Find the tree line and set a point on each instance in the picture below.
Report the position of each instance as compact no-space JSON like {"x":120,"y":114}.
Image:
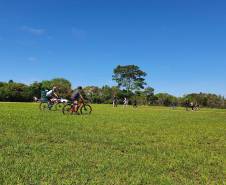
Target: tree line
{"x":130,"y":84}
{"x":18,"y":92}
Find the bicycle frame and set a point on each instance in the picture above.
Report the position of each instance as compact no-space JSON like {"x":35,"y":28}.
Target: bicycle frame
{"x":79,"y":107}
{"x":55,"y":100}
{"x":80,"y":104}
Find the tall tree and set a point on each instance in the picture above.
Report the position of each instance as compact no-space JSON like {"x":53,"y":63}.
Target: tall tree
{"x":129,"y":77}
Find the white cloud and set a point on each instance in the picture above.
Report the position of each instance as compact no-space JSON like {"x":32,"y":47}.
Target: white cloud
{"x":34,"y":31}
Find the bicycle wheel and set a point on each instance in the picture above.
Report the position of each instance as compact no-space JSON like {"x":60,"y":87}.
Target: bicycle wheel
{"x":67,"y":110}
{"x":44,"y":106}
{"x":59,"y":106}
{"x":86,"y":109}
{"x":56,"y":107}
{"x":53,"y":107}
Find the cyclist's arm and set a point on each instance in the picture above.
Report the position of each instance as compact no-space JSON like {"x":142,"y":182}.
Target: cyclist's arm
{"x":81,"y":97}
{"x":55,"y":95}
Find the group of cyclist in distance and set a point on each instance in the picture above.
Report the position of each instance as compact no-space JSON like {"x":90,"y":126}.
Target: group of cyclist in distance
{"x":76,"y":97}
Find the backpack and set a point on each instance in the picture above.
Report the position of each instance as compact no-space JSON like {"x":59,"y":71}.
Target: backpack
{"x":43,"y":95}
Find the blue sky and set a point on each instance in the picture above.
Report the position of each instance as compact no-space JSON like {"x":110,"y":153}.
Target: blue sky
{"x":181,"y":44}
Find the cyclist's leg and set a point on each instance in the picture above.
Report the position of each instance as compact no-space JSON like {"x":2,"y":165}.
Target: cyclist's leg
{"x":79,"y":103}
{"x":49,"y":102}
{"x":75,"y":104}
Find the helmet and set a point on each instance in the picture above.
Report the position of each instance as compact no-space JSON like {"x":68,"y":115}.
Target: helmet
{"x":54,"y":88}
{"x":80,"y":87}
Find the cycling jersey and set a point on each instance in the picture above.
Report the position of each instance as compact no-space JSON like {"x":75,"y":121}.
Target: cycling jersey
{"x":49,"y":93}
{"x":75,"y":95}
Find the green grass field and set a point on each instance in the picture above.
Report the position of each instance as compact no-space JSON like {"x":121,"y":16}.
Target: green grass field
{"x":148,"y":145}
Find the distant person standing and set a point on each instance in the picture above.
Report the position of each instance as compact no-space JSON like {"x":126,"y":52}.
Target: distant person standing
{"x":115,"y":101}
{"x":192,"y":106}
{"x":135,"y":103}
{"x":173,"y":105}
{"x":187,"y":105}
{"x":125,"y":102}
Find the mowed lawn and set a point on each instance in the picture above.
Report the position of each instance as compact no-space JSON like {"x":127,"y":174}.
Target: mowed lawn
{"x":147,"y":145}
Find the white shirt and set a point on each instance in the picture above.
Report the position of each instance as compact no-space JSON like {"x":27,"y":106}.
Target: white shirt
{"x":49,"y":93}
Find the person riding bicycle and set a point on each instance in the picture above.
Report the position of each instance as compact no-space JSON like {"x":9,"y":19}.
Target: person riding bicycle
{"x":51,"y":94}
{"x":77,"y":96}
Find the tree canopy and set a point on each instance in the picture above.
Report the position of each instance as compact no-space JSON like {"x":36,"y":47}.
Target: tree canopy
{"x":129,"y":77}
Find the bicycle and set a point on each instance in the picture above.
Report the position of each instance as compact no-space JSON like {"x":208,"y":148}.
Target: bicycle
{"x":54,"y":105}
{"x":196,"y":107}
{"x":82,"y":108}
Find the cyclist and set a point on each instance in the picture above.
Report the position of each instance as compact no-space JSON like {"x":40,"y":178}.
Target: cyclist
{"x":77,"y":97}
{"x":50,"y":95}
